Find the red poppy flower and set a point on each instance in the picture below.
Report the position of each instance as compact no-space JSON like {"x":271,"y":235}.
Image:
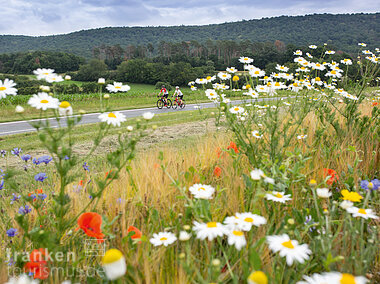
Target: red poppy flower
{"x":137,"y":232}
{"x":233,"y":146}
{"x":333,"y":176}
{"x":217,"y":171}
{"x":375,"y":103}
{"x":218,"y":152}
{"x":90,"y":223}
{"x":38,"y":264}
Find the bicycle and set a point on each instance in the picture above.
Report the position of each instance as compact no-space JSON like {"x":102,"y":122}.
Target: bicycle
{"x":161,"y":103}
{"x":177,"y":103}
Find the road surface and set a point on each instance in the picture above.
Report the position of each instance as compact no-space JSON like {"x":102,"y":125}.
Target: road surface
{"x":16,"y":127}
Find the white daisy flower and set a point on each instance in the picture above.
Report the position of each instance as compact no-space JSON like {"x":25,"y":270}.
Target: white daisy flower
{"x":323,"y":192}
{"x":43,"y":101}
{"x":360,"y":212}
{"x":330,"y":52}
{"x":209,"y":230}
{"x":237,"y":110}
{"x":22,"y":279}
{"x":117,"y":87}
{"x":251,"y":93}
{"x":256,"y":134}
{"x":346,"y":204}
{"x":114,"y":118}
{"x":246,"y":220}
{"x":163,"y":238}
{"x":224,"y":76}
{"x":54,"y":78}
{"x":282,"y":68}
{"x":346,"y":61}
{"x":114,"y":264}
{"x":148,"y":115}
{"x":278,"y":196}
{"x":256,"y":72}
{"x":231,"y":70}
{"x":201,"y":81}
{"x":7,"y":88}
{"x":297,"y":52}
{"x":362,"y":44}
{"x":257,"y":174}
{"x":193,"y":88}
{"x":313,"y":46}
{"x":43,"y":73}
{"x":303,"y":136}
{"x":315,"y":279}
{"x":101,"y":81}
{"x":245,"y":60}
{"x":342,"y":278}
{"x":202,"y":191}
{"x":191,"y":83}
{"x":65,"y":109}
{"x":237,"y":238}
{"x":289,"y":248}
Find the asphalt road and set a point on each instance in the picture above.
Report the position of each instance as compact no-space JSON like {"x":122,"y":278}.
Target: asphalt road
{"x":15,"y":127}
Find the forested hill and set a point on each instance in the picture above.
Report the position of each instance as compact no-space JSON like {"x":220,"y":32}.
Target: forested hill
{"x":343,"y":31}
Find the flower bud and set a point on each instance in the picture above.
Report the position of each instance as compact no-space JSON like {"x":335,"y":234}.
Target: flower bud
{"x":130,"y":128}
{"x":106,"y":96}
{"x":19,"y":109}
{"x":67,"y":77}
{"x":182,"y":255}
{"x":215,"y":262}
{"x":291,"y":221}
{"x":101,"y":81}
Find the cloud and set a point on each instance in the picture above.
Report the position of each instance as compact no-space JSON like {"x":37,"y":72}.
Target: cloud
{"x":56,"y":17}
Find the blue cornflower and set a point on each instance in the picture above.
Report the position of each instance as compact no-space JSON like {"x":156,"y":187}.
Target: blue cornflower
{"x":3,"y":153}
{"x":12,"y":232}
{"x":43,"y":159}
{"x":40,"y":177}
{"x":42,"y":196}
{"x":308,"y":220}
{"x":26,"y":157}
{"x":15,"y":198}
{"x":16,"y":151}
{"x":86,"y":167}
{"x":370,"y":185}
{"x":1,"y":184}
{"x":66,"y":157}
{"x":24,"y":210}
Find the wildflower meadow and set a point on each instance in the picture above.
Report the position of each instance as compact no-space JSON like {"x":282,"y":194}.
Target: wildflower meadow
{"x":286,"y":190}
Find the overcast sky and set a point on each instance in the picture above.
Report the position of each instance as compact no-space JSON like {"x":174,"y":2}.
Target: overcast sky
{"x":36,"y":17}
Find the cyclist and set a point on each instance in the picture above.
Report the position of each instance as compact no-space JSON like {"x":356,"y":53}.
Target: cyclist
{"x":165,"y":94}
{"x":178,"y":94}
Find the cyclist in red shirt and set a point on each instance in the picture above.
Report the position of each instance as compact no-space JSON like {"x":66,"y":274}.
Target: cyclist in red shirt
{"x":165,"y":93}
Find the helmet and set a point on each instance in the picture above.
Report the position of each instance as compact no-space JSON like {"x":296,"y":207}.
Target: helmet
{"x":177,"y":87}
{"x":163,"y":86}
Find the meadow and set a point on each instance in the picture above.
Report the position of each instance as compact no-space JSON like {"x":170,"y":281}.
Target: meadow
{"x":280,"y":192}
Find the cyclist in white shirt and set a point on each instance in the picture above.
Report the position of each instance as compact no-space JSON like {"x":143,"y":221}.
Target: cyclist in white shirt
{"x":178,"y":94}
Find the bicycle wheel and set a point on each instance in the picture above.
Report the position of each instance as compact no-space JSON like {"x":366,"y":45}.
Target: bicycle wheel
{"x":183,"y":104}
{"x":169,"y":104}
{"x":175,"y":104}
{"x":160,"y":104}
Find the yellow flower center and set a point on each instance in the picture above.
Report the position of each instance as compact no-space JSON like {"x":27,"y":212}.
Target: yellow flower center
{"x":208,"y":77}
{"x":258,"y":277}
{"x":45,"y":73}
{"x":201,"y":188}
{"x":257,"y":72}
{"x":2,"y":88}
{"x":111,"y":114}
{"x":44,"y":101}
{"x":288,"y":244}
{"x":236,"y":108}
{"x":248,"y":86}
{"x":163,"y":239}
{"x":238,"y":233}
{"x":64,"y":104}
{"x":277,"y":84}
{"x":333,"y":72}
{"x":248,"y":219}
{"x":278,"y":195}
{"x":211,"y":225}
{"x":362,"y":211}
{"x":111,"y":256}
{"x":117,"y":87}
{"x":347,"y":279}
{"x":317,"y":79}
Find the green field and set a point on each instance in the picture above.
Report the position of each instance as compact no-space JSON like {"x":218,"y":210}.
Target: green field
{"x":139,"y":96}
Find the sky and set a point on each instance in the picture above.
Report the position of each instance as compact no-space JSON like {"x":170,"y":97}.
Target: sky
{"x":36,"y":17}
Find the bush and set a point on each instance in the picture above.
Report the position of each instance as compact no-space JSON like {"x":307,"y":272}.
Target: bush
{"x":167,"y":85}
